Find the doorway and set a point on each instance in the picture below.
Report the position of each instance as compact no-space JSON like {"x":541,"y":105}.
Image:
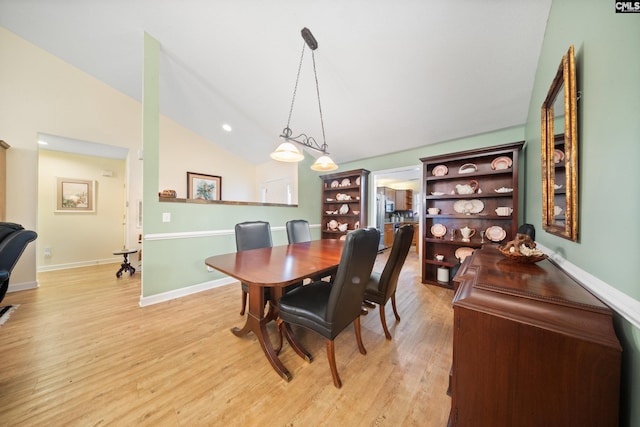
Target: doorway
{"x":69,"y":235}
{"x":408,"y":178}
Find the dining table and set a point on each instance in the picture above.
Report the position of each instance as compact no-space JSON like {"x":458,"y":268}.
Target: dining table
{"x":276,"y":267}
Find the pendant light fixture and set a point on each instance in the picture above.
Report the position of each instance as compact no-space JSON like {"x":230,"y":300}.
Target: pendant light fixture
{"x":287,"y":151}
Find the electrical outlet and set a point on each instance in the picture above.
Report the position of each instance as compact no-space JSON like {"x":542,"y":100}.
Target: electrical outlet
{"x":166,"y":217}
{"x":47,"y":252}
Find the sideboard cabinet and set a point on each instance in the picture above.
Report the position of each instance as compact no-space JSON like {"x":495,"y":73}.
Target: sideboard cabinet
{"x":344,"y":202}
{"x":531,"y":347}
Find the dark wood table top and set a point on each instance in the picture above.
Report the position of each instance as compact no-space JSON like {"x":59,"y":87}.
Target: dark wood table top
{"x":280,"y":265}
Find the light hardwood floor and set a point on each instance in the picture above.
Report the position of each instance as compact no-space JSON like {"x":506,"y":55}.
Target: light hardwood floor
{"x":79,"y":351}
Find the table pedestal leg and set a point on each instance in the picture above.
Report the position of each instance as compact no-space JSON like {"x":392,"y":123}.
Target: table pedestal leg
{"x":257,"y":323}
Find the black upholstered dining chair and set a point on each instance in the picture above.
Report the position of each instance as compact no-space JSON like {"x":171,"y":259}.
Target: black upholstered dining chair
{"x":382,"y":286}
{"x":252,"y":235}
{"x":327,"y":308}
{"x":13,"y":241}
{"x":298,"y":231}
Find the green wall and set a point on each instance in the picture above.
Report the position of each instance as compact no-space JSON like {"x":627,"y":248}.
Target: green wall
{"x":608,"y":77}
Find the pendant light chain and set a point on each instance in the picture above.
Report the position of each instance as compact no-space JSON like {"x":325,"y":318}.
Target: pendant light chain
{"x":287,"y":151}
{"x":295,"y":88}
{"x":315,"y":74}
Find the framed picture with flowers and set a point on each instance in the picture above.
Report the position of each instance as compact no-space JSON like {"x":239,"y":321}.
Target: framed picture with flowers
{"x":203,"y":187}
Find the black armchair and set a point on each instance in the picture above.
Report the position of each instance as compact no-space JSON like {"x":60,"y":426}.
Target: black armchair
{"x":327,"y":308}
{"x":252,"y":235}
{"x":13,"y":241}
{"x":382,"y":286}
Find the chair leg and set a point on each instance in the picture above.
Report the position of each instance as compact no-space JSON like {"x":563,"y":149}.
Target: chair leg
{"x":383,"y":320}
{"x":244,"y":302}
{"x":356,"y":324}
{"x":393,"y":304}
{"x":279,"y":326}
{"x":331,"y":356}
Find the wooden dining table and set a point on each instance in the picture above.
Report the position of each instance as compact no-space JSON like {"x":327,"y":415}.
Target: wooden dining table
{"x":275,"y":268}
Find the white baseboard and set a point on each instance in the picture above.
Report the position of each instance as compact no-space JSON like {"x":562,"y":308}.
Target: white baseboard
{"x":15,"y":287}
{"x":43,"y":268}
{"x":182,"y":292}
{"x":621,"y":303}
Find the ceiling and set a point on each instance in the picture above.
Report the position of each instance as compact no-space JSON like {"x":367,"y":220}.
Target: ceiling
{"x":393,"y":75}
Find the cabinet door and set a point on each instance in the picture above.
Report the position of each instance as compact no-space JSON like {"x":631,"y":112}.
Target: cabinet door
{"x":388,"y":235}
{"x":401,"y":200}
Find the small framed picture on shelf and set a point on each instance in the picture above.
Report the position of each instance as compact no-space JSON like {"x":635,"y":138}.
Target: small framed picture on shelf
{"x":204,"y":187}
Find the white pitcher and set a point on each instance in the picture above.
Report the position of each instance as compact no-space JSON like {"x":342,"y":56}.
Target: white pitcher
{"x":467,"y":233}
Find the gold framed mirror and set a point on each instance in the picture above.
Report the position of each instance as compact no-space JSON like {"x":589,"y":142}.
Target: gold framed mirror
{"x":560,"y":153}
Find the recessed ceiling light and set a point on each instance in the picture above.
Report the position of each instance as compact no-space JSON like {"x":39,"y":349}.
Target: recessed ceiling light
{"x":226,"y":127}
{"x":43,"y":143}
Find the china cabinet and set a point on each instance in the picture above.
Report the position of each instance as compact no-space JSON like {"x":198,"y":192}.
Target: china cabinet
{"x":344,"y":202}
{"x":470,"y":199}
{"x":531,"y":347}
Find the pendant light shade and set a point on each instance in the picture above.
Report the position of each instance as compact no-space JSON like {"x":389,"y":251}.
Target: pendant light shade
{"x":324,"y":164}
{"x":287,"y":151}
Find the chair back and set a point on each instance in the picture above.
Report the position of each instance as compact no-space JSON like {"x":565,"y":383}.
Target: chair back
{"x":298,"y":231}
{"x":356,"y":263}
{"x":401,"y":244}
{"x":253,"y":235}
{"x":528,"y":229}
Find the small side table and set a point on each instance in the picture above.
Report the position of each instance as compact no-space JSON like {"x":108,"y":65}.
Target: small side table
{"x":125,"y":266}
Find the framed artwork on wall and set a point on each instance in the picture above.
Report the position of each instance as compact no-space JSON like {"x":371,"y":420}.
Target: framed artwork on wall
{"x":203,"y":187}
{"x":75,"y":195}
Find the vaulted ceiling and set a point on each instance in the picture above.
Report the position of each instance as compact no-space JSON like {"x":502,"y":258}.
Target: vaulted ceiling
{"x":392,"y":75}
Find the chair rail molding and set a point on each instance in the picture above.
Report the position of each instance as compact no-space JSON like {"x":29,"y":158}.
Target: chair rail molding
{"x":205,"y":233}
{"x":621,"y":303}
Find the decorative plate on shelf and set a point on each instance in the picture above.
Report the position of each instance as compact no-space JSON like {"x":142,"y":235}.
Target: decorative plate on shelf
{"x":440,"y":170}
{"x":468,"y":168}
{"x":468,"y":206}
{"x":503,"y":190}
{"x":344,"y":209}
{"x":438,"y":230}
{"x":502,"y":162}
{"x":334,"y":184}
{"x":345,"y":182}
{"x":558,"y":155}
{"x":463,"y":252}
{"x":332,"y":225}
{"x":437,"y":193}
{"x":358,"y":181}
{"x":355,"y":212}
{"x":495,"y":233}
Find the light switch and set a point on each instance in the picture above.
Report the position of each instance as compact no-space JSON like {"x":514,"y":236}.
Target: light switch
{"x":166,"y":217}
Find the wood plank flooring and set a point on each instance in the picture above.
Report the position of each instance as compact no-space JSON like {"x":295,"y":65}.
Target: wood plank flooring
{"x":79,"y":351}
